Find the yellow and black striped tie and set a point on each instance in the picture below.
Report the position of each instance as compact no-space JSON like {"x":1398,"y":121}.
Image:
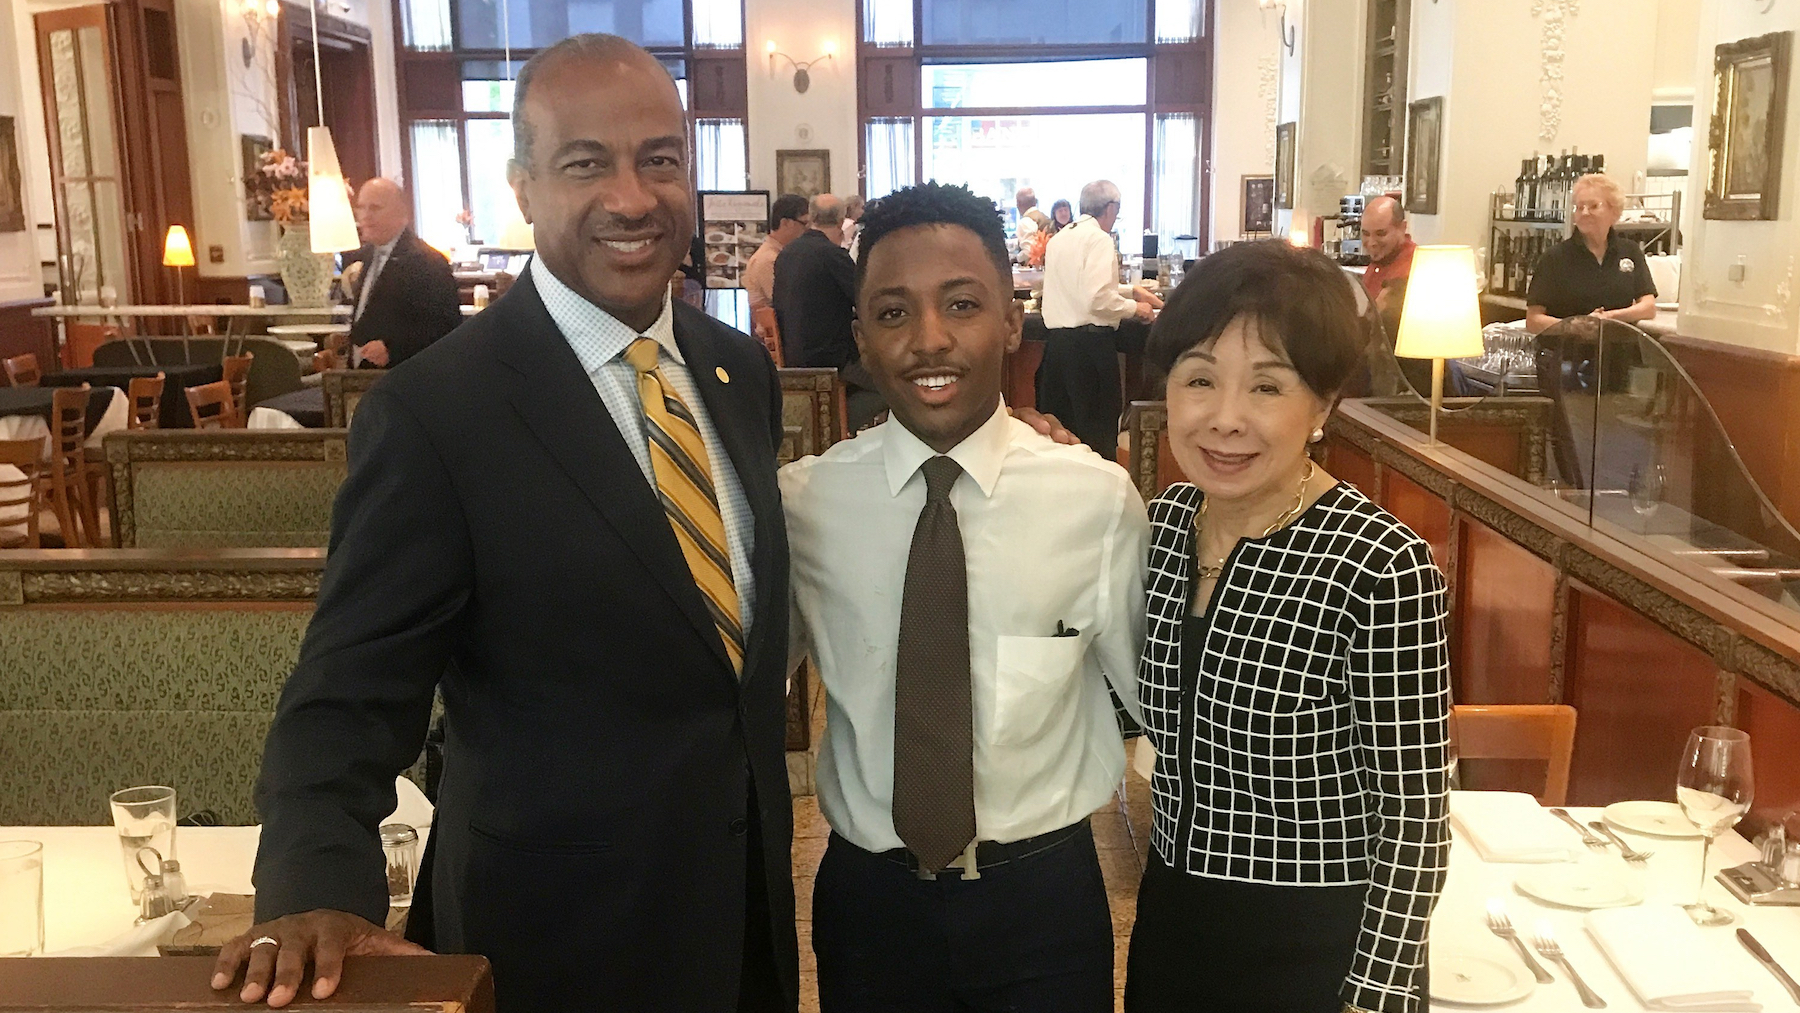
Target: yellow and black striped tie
{"x":684,"y":484}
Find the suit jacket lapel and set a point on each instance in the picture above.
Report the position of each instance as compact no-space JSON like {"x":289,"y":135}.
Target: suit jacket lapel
{"x":557,"y":400}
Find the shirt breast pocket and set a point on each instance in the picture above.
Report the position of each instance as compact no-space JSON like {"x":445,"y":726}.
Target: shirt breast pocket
{"x":1036,"y":684}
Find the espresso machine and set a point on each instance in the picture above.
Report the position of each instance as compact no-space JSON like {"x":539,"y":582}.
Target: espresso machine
{"x":1347,"y":247}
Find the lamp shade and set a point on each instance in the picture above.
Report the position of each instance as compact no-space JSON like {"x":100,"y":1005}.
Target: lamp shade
{"x":327,"y":198}
{"x":1442,"y":316}
{"x":177,"y":250}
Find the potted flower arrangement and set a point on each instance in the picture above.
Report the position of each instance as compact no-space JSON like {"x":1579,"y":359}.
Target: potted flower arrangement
{"x":280,"y":184}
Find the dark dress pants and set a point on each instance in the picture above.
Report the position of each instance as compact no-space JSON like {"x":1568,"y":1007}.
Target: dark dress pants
{"x":1078,"y":382}
{"x":1032,"y":935}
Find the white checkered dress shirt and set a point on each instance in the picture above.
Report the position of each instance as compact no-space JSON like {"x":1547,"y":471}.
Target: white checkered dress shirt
{"x":1311,"y":748}
{"x":599,"y":340}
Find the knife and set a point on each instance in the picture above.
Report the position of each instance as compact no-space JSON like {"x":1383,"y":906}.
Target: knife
{"x":1762,"y":955}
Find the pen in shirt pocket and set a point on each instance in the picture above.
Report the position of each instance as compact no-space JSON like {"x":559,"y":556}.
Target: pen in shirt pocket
{"x":1065,"y":631}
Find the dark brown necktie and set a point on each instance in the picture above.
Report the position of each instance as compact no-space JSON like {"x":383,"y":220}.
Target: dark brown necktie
{"x":934,"y":736}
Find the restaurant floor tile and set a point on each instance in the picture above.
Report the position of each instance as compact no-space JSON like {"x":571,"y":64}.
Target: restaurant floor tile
{"x":1121,"y":833}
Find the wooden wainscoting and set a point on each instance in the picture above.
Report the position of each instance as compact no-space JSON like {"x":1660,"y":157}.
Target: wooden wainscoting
{"x":1756,"y":395}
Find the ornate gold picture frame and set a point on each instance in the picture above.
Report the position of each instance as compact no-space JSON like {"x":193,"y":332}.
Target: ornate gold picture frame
{"x":1750,"y":81}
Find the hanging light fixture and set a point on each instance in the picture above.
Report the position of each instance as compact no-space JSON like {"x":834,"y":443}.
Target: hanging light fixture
{"x":327,"y":195}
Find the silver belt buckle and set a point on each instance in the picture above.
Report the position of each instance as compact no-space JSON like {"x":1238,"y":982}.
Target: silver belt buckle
{"x":965,"y":861}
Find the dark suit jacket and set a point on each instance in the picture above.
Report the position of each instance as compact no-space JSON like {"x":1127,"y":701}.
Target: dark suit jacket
{"x":414,"y":302}
{"x":494,"y":530}
{"x":815,"y":301}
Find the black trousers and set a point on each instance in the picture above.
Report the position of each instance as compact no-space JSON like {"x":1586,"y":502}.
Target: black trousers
{"x":1078,"y":382}
{"x":759,"y":984}
{"x":1031,"y":936}
{"x":1205,"y":944}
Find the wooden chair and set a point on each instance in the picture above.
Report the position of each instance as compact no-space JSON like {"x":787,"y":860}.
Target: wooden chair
{"x":70,"y":483}
{"x":22,"y":370}
{"x":143,"y":400}
{"x":762,"y":322}
{"x":27,"y":457}
{"x":1519,"y":732}
{"x":237,"y":375}
{"x":213,"y":407}
{"x":326,"y":360}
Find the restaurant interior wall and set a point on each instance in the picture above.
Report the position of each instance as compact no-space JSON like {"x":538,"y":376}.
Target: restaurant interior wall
{"x":20,"y":274}
{"x":1321,"y":86}
{"x":1489,"y":61}
{"x":823,"y":118}
{"x":1763,"y":310}
{"x":1247,"y":59}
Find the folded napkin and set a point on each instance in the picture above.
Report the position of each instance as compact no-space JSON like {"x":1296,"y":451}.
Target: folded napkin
{"x":141,"y":941}
{"x":1510,"y":826}
{"x":413,"y":808}
{"x":1672,"y":964}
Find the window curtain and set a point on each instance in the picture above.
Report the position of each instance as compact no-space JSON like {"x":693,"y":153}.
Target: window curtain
{"x":426,"y":24}
{"x":1178,"y":20}
{"x":437,"y":187}
{"x":889,"y":143}
{"x":718,"y":24}
{"x":888,"y":22}
{"x":721,"y":155}
{"x":1177,"y":173}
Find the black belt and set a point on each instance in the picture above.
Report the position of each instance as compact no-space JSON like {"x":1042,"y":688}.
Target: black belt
{"x":989,"y":854}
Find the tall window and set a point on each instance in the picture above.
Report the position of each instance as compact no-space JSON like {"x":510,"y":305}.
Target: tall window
{"x":458,"y":64}
{"x":1047,"y":94}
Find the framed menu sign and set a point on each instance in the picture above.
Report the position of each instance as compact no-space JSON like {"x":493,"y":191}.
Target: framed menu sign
{"x":732,"y":225}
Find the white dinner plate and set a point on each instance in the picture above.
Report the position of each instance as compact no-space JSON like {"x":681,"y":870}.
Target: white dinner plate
{"x":1585,"y":885}
{"x":1468,"y":980}
{"x":1658,"y":819}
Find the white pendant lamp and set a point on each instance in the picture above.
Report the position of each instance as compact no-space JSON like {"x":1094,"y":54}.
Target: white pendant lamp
{"x":327,"y":196}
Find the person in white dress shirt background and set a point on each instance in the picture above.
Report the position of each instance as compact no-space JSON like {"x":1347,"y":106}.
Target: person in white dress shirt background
{"x":1078,"y":380}
{"x":986,"y":894}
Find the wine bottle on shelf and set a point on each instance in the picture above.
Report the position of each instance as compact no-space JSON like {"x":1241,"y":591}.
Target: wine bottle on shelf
{"x":1498,"y":268}
{"x":1529,"y":211}
{"x":1519,"y":190}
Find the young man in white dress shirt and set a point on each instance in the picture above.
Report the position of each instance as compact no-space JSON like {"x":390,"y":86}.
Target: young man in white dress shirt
{"x":968,"y":589}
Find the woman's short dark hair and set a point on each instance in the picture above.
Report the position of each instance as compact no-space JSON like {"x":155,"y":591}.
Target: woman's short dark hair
{"x":1301,"y":302}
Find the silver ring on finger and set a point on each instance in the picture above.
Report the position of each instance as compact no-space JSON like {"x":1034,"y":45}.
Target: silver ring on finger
{"x":265,"y":941}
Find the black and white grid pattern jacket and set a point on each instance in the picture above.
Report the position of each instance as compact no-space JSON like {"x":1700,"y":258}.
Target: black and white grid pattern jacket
{"x":1310,"y":750}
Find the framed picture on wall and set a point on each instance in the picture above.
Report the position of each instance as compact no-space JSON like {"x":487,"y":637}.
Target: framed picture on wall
{"x":256,"y":206}
{"x":805,"y":171}
{"x":1258,"y":206}
{"x":1424,"y":144}
{"x":1284,"y":166}
{"x":12,"y":198}
{"x":1750,"y":78}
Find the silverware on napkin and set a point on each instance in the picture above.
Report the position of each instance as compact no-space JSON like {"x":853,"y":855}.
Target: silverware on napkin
{"x":1762,"y":955}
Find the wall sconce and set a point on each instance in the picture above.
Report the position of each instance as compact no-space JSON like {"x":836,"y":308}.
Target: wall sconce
{"x":802,"y":79}
{"x":1287,"y":30}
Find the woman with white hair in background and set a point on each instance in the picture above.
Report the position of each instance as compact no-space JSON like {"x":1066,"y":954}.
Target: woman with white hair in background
{"x":1594,"y":272}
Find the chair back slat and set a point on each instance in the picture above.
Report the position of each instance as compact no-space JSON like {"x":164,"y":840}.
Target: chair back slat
{"x":22,"y":370}
{"x":144,"y":399}
{"x":21,"y":495}
{"x":1519,"y":732}
{"x":236,"y":370}
{"x":70,"y":496}
{"x":212,"y":406}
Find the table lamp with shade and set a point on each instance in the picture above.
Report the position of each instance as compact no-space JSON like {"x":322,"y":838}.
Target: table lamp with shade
{"x":178,"y":252}
{"x":1442,"y":316}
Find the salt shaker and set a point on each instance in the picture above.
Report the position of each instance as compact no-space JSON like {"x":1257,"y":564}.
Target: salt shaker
{"x":155,"y":899}
{"x":481,"y":297}
{"x":174,"y":884}
{"x":400,"y":844}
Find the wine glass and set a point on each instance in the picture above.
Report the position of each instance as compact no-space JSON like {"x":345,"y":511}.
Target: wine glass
{"x":1714,"y":785}
{"x":1646,"y":488}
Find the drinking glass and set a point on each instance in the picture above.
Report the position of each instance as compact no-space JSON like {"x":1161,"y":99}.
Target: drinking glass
{"x":1714,"y":785}
{"x":145,"y":818}
{"x":21,"y":898}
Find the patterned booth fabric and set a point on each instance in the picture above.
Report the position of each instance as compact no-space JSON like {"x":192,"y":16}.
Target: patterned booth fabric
{"x":143,"y":668}
{"x":224,"y":488}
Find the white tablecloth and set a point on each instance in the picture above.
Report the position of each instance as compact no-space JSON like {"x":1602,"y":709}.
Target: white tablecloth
{"x":33,"y":427}
{"x":271,"y":418}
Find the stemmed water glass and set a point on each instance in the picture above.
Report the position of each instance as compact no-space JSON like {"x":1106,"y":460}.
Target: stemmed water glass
{"x":1714,"y":785}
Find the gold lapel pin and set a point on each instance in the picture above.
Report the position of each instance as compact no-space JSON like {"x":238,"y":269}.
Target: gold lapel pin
{"x":724,"y":377}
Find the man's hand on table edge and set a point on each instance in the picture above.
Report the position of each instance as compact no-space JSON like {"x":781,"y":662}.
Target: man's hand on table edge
{"x":321,"y":938}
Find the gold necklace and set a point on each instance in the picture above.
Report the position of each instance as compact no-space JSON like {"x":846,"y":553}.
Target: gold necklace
{"x":1285,"y":518}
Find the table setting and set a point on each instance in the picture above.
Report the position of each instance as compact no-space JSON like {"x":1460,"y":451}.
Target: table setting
{"x":1615,"y":907}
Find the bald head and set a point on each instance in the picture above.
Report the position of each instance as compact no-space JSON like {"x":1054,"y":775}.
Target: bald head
{"x":1026,"y":198}
{"x":1383,"y":229}
{"x":382,"y":211}
{"x":590,"y":53}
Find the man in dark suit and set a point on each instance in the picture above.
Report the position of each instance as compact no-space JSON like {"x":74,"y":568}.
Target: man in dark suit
{"x":815,"y":304}
{"x":403,"y":293}
{"x":567,"y":513}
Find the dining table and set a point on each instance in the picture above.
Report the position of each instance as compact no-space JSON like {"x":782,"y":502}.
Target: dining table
{"x":177,"y":377}
{"x":87,"y":906}
{"x":36,"y":403}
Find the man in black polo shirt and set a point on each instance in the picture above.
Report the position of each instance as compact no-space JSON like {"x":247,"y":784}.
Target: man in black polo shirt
{"x":1594,"y":271}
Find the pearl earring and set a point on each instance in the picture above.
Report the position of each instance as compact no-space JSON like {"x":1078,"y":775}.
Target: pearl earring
{"x":1317,"y":435}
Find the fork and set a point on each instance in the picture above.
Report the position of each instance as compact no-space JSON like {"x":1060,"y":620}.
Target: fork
{"x":1502,"y":926}
{"x":1552,"y":949}
{"x":1587,"y":836}
{"x":1626,"y":851}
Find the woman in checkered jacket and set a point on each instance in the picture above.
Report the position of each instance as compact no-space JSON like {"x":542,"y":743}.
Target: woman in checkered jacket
{"x":1294,"y":679}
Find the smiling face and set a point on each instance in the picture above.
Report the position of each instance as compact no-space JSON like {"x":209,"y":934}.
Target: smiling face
{"x":934,"y":324}
{"x":1240,"y":416}
{"x":606,"y":187}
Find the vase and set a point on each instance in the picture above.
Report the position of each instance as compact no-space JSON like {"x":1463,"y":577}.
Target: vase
{"x":306,"y":275}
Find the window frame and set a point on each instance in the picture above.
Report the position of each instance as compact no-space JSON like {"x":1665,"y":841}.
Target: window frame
{"x":1195,"y":55}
